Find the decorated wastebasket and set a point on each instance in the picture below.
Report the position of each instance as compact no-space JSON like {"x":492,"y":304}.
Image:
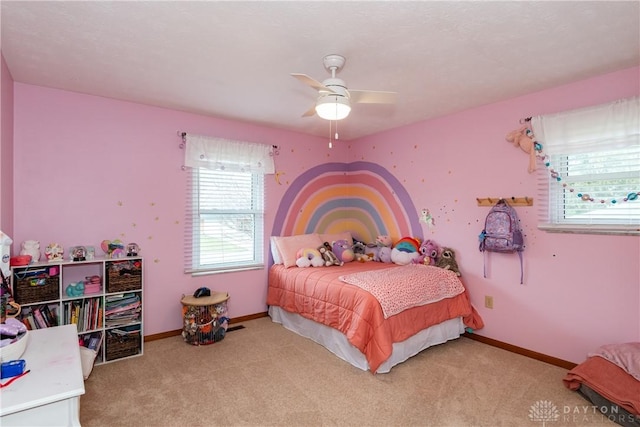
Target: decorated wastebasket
{"x":205,"y":319}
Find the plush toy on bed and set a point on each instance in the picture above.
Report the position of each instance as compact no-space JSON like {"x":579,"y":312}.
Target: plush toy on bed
{"x":309,"y":257}
{"x":429,"y":251}
{"x":343,"y":250}
{"x":405,"y":250}
{"x":381,"y":249}
{"x":358,"y":247}
{"x":328,"y":256}
{"x":448,"y":261}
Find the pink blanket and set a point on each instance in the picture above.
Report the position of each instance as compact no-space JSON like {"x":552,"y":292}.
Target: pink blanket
{"x":413,"y":285}
{"x":607,"y":379}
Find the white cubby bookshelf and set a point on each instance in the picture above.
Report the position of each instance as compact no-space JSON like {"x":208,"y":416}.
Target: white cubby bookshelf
{"x":108,"y":320}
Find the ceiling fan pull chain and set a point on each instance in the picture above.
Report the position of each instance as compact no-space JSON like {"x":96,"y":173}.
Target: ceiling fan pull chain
{"x":330,"y":142}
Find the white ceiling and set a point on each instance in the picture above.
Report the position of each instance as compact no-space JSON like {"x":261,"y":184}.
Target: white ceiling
{"x":232,"y":59}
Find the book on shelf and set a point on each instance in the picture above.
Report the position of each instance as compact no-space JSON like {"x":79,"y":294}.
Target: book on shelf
{"x":40,"y":321}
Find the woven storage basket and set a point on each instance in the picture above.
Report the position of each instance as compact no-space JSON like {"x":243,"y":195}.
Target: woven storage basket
{"x":118,"y":346}
{"x":33,"y":289}
{"x":123,"y":276}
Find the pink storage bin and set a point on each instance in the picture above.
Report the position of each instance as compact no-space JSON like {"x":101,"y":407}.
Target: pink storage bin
{"x":92,"y":288}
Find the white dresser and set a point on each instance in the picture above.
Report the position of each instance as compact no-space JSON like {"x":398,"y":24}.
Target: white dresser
{"x":50,"y":394}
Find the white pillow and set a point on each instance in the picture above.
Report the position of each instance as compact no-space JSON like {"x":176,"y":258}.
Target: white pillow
{"x":288,"y":246}
{"x":277,"y":259}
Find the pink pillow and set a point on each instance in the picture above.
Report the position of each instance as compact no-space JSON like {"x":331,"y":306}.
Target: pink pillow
{"x":288,"y":246}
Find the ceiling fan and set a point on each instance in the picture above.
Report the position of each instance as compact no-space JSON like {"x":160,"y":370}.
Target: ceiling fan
{"x":334,"y":99}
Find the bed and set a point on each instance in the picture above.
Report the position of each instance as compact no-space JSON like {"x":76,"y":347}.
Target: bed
{"x":610,"y":380}
{"x":355,"y":325}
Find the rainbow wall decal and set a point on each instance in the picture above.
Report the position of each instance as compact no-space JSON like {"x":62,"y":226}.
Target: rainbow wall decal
{"x":360,"y":197}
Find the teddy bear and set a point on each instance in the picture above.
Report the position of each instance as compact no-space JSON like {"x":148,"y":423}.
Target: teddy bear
{"x":522,"y":137}
{"x":31,"y":247}
{"x":448,"y":261}
{"x":343,"y":250}
{"x":328,"y":256}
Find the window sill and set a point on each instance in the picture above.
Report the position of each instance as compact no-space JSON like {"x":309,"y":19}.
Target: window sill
{"x":620,"y":230}
{"x":195,"y":273}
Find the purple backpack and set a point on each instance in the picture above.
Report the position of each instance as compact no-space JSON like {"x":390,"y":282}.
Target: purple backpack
{"x":502,"y":232}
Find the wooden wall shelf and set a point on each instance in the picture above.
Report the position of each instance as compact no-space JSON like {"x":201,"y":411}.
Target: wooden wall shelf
{"x":513,"y":201}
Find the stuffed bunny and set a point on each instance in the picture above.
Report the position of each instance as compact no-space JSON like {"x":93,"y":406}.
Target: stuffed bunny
{"x":523,"y":138}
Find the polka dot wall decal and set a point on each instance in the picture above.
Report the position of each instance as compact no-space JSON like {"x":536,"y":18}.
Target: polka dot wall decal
{"x":120,"y":203}
{"x":150,"y":237}
{"x":152,"y":203}
{"x":156,"y":260}
{"x":134,"y":225}
{"x":177,"y":221}
{"x":157,"y":218}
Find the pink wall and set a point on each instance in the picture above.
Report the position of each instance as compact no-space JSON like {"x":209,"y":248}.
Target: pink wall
{"x":91,"y":168}
{"x":6,"y":149}
{"x":580,"y":291}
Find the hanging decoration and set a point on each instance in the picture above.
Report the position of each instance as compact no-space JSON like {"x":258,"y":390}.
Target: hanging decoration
{"x":585,"y":197}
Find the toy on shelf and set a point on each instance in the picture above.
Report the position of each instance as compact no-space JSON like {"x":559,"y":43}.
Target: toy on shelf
{"x":54,"y":252}
{"x":113,"y":248}
{"x":75,"y":289}
{"x":31,"y":247}
{"x":133,"y":249}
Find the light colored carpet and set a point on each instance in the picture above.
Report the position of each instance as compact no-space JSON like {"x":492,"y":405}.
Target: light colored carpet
{"x":265,"y":375}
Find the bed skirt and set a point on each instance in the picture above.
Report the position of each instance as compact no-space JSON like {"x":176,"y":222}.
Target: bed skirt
{"x":337,"y":343}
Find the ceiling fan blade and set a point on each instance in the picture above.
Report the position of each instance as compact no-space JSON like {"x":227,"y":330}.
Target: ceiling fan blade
{"x":372,"y":97}
{"x":309,"y":81}
{"x":310,"y":112}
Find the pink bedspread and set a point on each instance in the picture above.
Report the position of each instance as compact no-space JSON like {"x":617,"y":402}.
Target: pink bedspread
{"x":319,"y":295}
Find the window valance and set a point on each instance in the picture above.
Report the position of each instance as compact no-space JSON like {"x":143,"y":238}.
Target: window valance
{"x":585,"y":130}
{"x":229,"y":155}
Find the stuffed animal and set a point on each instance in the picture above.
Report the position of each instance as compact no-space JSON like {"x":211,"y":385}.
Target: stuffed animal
{"x":382,"y":242}
{"x":75,"y":289}
{"x":343,"y":250}
{"x":429,"y":251}
{"x":364,"y":257}
{"x":328,"y":256}
{"x":405,"y":250}
{"x":384,"y":255}
{"x":309,"y":257}
{"x":359,"y":247}
{"x":522,"y":138}
{"x":448,"y":261}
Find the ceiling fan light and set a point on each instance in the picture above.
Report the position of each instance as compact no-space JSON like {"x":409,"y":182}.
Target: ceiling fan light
{"x":333,"y":107}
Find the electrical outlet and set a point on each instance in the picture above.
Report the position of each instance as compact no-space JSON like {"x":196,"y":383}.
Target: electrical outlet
{"x":488,"y":301}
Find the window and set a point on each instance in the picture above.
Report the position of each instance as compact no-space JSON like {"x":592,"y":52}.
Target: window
{"x":592,"y":178}
{"x":226,"y":221}
{"x":224,"y":228}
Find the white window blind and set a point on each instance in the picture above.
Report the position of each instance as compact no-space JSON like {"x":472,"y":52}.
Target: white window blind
{"x":592,"y":176}
{"x":224,"y":228}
